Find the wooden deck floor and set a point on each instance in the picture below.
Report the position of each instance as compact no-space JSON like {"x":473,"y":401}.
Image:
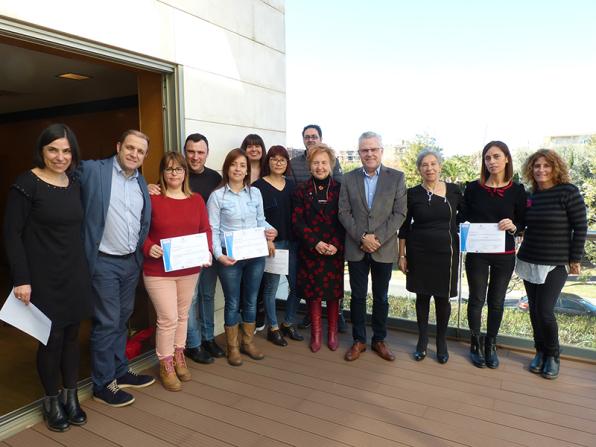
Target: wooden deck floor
{"x":294,"y":397}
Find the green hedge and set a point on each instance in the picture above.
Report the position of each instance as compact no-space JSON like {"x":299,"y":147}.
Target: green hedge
{"x":579,"y":331}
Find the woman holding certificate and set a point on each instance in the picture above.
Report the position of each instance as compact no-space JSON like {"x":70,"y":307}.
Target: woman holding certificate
{"x":553,"y":245}
{"x":175,"y":212}
{"x":494,"y":198}
{"x":236,"y":206}
{"x":321,"y":236}
{"x":429,"y":249}
{"x":42,"y":234}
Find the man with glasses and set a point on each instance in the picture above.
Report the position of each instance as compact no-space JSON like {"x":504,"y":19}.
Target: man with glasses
{"x":372,"y":207}
{"x":311,"y":135}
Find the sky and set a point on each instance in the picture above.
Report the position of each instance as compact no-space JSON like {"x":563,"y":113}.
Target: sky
{"x":463,"y":72}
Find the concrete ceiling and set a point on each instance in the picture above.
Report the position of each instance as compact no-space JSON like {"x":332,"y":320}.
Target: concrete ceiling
{"x":28,"y":80}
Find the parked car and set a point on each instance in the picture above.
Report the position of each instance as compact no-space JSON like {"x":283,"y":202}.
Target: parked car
{"x":567,"y":303}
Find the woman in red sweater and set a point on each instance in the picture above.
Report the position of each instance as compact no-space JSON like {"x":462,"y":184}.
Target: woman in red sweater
{"x":176,"y":212}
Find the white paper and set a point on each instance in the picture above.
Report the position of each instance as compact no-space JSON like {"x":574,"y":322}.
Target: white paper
{"x":482,"y":238}
{"x":184,"y":252}
{"x":27,"y":318}
{"x":246,"y":244}
{"x":278,"y":264}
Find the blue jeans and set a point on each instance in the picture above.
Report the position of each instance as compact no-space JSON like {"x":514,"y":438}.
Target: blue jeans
{"x":381,"y":275}
{"x":249,"y":273}
{"x":114,"y":284}
{"x":200,"y":327}
{"x":271,"y":283}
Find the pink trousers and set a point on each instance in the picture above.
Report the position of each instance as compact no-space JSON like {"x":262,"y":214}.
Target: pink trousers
{"x":171,"y":297}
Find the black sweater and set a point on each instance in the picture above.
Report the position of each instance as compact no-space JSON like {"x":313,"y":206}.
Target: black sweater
{"x":483,"y":204}
{"x":556,"y":226}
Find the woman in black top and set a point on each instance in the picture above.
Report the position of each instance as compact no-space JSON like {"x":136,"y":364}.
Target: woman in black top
{"x":42,"y":234}
{"x":494,"y":198}
{"x":277,"y":191}
{"x":429,"y":249}
{"x":554,"y":238}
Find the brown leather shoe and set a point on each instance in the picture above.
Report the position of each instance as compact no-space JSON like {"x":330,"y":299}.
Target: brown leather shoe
{"x":383,"y":350}
{"x":354,"y":352}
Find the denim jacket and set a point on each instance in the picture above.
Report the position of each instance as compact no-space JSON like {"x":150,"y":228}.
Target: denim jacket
{"x":231,"y":211}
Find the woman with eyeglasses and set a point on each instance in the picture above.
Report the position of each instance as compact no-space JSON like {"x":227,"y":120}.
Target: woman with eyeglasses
{"x":175,"y":212}
{"x":277,"y":188}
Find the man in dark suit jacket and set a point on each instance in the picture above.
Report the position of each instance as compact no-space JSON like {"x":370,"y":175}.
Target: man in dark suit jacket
{"x":372,"y":207}
{"x":117,"y":217}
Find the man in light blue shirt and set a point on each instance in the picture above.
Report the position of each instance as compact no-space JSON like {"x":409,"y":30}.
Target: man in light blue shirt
{"x":117,"y":217}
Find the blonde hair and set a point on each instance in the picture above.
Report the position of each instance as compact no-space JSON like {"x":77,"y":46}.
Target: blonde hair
{"x":560,"y":170}
{"x":318,"y":149}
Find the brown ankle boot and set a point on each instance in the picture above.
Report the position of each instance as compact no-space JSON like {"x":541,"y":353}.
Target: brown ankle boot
{"x":182,"y":370}
{"x":247,"y":346}
{"x":168,"y":376}
{"x":233,"y":350}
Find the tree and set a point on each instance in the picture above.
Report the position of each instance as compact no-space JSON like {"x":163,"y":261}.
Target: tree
{"x":461,"y":168}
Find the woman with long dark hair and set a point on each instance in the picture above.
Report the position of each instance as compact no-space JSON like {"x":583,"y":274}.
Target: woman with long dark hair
{"x":42,"y":234}
{"x":494,"y":198}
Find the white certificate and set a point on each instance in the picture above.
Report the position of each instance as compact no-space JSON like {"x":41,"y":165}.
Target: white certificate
{"x":246,"y":244}
{"x":184,"y":252}
{"x":278,"y":264}
{"x":482,"y":238}
{"x":27,"y":318}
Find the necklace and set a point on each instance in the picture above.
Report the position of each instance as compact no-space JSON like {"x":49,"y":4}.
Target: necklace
{"x":430,"y":192}
{"x":319,"y":189}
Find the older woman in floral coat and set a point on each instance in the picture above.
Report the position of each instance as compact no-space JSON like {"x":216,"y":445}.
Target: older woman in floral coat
{"x":321,"y":251}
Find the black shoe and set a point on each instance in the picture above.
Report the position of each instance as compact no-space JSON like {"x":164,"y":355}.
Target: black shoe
{"x":112,"y":395}
{"x":342,"y":326}
{"x":551,"y":367}
{"x":131,"y":379}
{"x":276,"y":338}
{"x":477,"y":350}
{"x":443,"y":358}
{"x":260,"y":322}
{"x":305,"y":323}
{"x":213,"y":348}
{"x":537,"y":363}
{"x":198,"y":355}
{"x":291,"y":331}
{"x":72,"y":407}
{"x":490,"y":352}
{"x":419,"y":355}
{"x":54,"y":415}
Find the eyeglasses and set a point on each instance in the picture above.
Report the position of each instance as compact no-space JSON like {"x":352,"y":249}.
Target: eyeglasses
{"x":372,"y":150}
{"x":177,"y":170}
{"x":278,"y":161}
{"x":311,"y":137}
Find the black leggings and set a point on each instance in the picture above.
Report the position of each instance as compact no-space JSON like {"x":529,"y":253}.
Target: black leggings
{"x":480,"y":267}
{"x":443,"y":311}
{"x":541,"y":300}
{"x":59,"y":356}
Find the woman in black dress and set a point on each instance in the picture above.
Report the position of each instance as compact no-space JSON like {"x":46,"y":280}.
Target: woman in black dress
{"x":42,"y":233}
{"x":429,"y":249}
{"x":321,"y":237}
{"x":494,"y":198}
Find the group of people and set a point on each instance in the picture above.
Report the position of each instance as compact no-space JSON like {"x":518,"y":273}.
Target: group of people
{"x":78,"y":234}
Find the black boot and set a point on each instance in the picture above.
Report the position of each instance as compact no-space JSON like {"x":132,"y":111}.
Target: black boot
{"x":70,"y":400}
{"x":537,"y":362}
{"x":54,"y":414}
{"x":551,"y":366}
{"x":490,"y":352}
{"x":477,"y":350}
